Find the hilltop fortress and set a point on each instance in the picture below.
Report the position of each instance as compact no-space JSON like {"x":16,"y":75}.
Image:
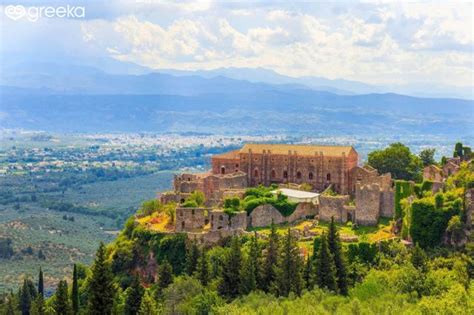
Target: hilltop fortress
{"x":358,"y":194}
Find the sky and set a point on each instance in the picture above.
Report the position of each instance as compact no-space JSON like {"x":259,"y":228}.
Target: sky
{"x":380,"y":42}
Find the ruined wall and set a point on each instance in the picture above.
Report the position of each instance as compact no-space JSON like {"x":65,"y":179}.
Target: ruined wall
{"x":303,"y":210}
{"x":333,"y":206}
{"x":367,"y":202}
{"x":188,"y":219}
{"x":263,"y":215}
{"x":433,"y":173}
{"x":387,"y":203}
{"x":220,"y":220}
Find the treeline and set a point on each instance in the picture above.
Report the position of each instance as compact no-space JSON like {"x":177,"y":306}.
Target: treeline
{"x":142,"y":273}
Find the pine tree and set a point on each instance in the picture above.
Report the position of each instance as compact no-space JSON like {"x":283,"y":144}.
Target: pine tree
{"x":307,"y":275}
{"x":101,"y":286}
{"x":230,"y":282}
{"x":335,"y":249}
{"x":165,"y":275}
{"x":61,"y":302}
{"x":40,"y":283}
{"x":192,"y":257}
{"x":148,"y":305}
{"x":203,"y":268}
{"x":325,"y":270}
{"x":270,"y":261}
{"x":290,"y":267}
{"x":75,"y":291}
{"x":134,"y":297}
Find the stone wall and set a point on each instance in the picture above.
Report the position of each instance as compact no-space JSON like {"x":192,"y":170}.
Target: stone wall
{"x":221,"y":220}
{"x":333,"y":206}
{"x":188,"y":219}
{"x":303,"y":210}
{"x":469,"y":207}
{"x":263,"y":215}
{"x":367,"y":202}
{"x":387,"y":203}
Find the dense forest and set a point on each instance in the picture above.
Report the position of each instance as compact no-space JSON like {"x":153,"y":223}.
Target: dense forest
{"x":427,"y":269}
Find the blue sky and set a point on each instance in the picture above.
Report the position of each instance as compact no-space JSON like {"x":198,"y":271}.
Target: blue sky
{"x":373,"y":42}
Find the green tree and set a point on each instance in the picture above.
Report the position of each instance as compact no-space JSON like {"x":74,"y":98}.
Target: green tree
{"x":134,"y":297}
{"x":418,"y":258}
{"x":458,"y":150}
{"x":250,"y":273}
{"x":61,"y":301}
{"x":192,"y":256}
{"x":40,"y":283}
{"x":202,"y":271}
{"x":230,"y":283}
{"x":10,"y":307}
{"x":270,"y":260}
{"x":26,"y":295}
{"x":397,"y":160}
{"x":290,"y":278}
{"x":38,"y":308}
{"x":307,"y":274}
{"x":427,"y":156}
{"x":148,"y":306}
{"x":165,"y":275}
{"x":75,"y":291}
{"x":325,"y":270}
{"x":334,"y":244}
{"x":101,"y":285}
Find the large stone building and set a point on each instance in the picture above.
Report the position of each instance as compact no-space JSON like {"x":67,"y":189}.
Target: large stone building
{"x":265,"y":164}
{"x":363,"y":194}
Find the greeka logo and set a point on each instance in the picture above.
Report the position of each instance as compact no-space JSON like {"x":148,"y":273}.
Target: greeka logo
{"x":16,"y":12}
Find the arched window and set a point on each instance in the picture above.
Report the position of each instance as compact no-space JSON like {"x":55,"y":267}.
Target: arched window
{"x":221,"y":218}
{"x":255,"y":173}
{"x":298,"y":175}
{"x":182,"y":225}
{"x":328,"y":177}
{"x":273,"y":174}
{"x":310,"y":176}
{"x":285,"y":174}
{"x":222,"y":170}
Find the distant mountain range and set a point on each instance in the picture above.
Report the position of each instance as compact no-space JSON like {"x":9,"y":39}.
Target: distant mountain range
{"x":65,"y":98}
{"x":106,"y":75}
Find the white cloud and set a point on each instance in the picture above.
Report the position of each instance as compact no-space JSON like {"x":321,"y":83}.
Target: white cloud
{"x":375,"y":43}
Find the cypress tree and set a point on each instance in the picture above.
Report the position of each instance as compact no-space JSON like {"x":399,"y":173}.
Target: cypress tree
{"x":307,"y":273}
{"x":203,"y":268}
{"x":270,"y":261}
{"x":25,"y":298}
{"x":61,"y":303}
{"x":165,"y":275}
{"x":101,"y":286}
{"x":325,"y":271}
{"x":192,"y":257}
{"x":75,"y":291}
{"x":334,"y":244}
{"x":230,"y":283}
{"x":250,"y":273}
{"x":134,"y":297}
{"x":290,"y":267}
{"x":40,"y":283}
